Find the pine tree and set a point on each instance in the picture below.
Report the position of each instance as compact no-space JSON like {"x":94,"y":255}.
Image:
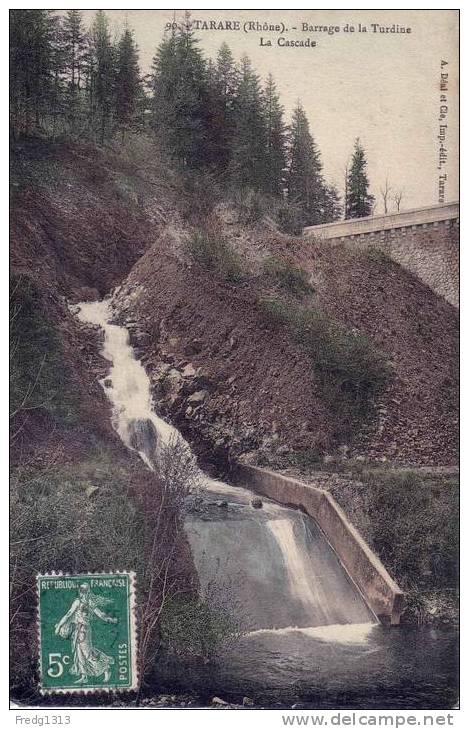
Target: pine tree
{"x":223,"y":83}
{"x":31,"y":68}
{"x":180,"y":97}
{"x":57,"y":102}
{"x":226,"y":78}
{"x":128,"y":90}
{"x":305,"y":183}
{"x":359,"y":202}
{"x":275,"y":162}
{"x":332,"y":207}
{"x":162,"y":84}
{"x":75,"y":50}
{"x":102,"y":73}
{"x":248,"y":155}
{"x":74,"y":39}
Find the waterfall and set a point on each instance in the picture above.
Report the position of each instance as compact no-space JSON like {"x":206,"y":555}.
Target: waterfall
{"x":127,"y":386}
{"x":280,"y":566}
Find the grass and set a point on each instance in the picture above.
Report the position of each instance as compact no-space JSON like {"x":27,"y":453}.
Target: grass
{"x":214,"y":253}
{"x":346,"y":363}
{"x":56,"y":523}
{"x":287,"y":276}
{"x":37,"y":373}
{"x":104,"y":512}
{"x":413,"y":525}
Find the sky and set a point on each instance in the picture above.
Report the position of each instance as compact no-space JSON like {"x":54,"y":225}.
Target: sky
{"x":381,"y":87}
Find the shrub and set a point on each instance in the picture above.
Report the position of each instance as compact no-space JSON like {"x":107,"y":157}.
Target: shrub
{"x":177,"y":470}
{"x":201,"y":194}
{"x":203,"y":626}
{"x":290,"y":219}
{"x":289,"y":277}
{"x":413,"y":526}
{"x":345,"y":361}
{"x":250,"y":205}
{"x":214,"y":253}
{"x":408,"y":517}
{"x":37,"y":376}
{"x":376,"y":255}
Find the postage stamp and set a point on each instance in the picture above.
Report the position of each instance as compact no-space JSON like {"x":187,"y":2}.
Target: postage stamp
{"x":87,"y":637}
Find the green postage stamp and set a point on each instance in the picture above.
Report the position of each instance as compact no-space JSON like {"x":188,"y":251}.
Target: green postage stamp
{"x":87,"y":639}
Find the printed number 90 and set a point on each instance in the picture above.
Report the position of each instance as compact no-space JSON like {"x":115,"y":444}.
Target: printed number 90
{"x":56,"y":664}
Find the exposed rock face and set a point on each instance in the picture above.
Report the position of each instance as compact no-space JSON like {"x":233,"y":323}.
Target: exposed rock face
{"x":143,"y":437}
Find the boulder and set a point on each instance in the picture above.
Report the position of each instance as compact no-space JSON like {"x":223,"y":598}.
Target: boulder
{"x":216,"y":701}
{"x":256,"y":503}
{"x":198,"y":397}
{"x":143,"y":437}
{"x":189,"y":370}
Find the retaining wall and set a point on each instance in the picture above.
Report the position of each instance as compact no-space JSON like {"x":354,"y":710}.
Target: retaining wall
{"x":423,"y":241}
{"x":378,"y":588}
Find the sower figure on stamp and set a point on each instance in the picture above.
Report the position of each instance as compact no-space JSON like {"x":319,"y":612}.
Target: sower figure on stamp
{"x":76,"y":626}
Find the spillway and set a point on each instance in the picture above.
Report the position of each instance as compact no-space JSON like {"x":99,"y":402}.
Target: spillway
{"x":278,"y":563}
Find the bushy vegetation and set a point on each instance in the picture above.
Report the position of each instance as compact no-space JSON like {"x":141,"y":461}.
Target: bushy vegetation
{"x":346,"y":362}
{"x":202,"y":192}
{"x":413,"y":525}
{"x":37,"y":376}
{"x":213,"y":252}
{"x":290,"y":218}
{"x":103,"y":513}
{"x":72,"y":519}
{"x":376,"y":255}
{"x":410,"y":518}
{"x":201,"y":627}
{"x":287,"y":276}
{"x":250,"y":205}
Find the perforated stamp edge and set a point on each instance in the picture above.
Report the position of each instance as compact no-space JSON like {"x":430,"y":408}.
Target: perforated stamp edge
{"x":83,"y":690}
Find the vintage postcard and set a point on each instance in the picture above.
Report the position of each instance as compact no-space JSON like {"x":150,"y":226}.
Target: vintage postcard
{"x":234,"y":337}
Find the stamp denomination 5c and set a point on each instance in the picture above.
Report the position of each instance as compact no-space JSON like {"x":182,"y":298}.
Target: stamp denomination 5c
{"x":87,"y":638}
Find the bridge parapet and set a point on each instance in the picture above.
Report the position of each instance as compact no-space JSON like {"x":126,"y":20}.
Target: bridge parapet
{"x":393,"y":221}
{"x":423,"y":241}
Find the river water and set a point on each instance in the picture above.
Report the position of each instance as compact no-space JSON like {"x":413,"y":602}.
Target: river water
{"x":311,"y":637}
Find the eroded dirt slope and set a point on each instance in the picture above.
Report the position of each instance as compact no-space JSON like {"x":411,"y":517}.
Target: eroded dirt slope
{"x":235,"y":384}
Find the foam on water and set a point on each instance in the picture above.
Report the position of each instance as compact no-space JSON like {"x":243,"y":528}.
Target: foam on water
{"x":356,"y":633}
{"x":129,"y":391}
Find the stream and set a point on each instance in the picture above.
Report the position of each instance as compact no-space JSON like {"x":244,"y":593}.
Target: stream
{"x":311,"y":639}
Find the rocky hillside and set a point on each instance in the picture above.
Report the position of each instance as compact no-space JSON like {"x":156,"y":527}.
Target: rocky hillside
{"x":237,"y":386}
{"x":237,"y":382}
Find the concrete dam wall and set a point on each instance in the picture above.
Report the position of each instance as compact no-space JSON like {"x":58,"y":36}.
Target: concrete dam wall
{"x":423,"y":241}
{"x":378,"y":588}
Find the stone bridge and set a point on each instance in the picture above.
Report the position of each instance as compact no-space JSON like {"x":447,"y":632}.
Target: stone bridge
{"x":425,"y":241}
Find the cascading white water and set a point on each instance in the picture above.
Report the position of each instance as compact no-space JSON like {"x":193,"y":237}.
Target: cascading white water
{"x":296,"y":564}
{"x":283,"y":569}
{"x":128,"y":384}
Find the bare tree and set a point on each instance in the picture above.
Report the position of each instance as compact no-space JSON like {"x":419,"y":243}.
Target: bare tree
{"x":398,"y":195}
{"x":346,"y":174}
{"x":385,"y":192}
{"x":178,"y":476}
